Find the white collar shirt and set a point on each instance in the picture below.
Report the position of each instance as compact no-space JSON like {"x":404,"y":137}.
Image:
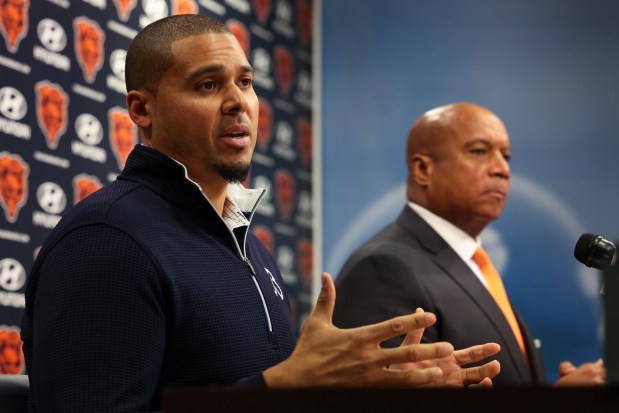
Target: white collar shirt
{"x":458,"y":240}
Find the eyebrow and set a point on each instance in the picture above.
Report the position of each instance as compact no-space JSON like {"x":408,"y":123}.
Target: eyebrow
{"x":485,"y":142}
{"x":216,"y":68}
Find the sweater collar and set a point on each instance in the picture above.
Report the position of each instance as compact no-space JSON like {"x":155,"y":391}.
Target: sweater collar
{"x":170,"y":179}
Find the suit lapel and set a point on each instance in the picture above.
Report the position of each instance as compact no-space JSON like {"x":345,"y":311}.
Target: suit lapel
{"x":447,"y":259}
{"x":536,"y":364}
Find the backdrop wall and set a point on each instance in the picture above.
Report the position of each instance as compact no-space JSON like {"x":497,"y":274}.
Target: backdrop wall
{"x":549,"y":70}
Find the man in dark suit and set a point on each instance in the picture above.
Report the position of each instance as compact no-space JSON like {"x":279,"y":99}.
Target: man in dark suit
{"x":458,"y":181}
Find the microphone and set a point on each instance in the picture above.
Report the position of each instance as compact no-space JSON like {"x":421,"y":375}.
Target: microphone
{"x":595,"y":251}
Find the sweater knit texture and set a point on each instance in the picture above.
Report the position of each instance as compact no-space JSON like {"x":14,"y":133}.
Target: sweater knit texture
{"x":142,"y":285}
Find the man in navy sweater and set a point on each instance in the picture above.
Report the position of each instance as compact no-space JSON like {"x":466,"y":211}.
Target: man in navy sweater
{"x":157,"y":280}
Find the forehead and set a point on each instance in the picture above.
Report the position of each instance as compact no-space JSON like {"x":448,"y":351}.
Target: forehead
{"x":478,"y":125}
{"x":208,"y":48}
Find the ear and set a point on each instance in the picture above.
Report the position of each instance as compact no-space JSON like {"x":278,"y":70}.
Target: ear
{"x":421,"y":166}
{"x":139,"y":107}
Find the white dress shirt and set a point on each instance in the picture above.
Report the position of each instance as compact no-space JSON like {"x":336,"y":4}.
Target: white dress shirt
{"x":458,"y":240}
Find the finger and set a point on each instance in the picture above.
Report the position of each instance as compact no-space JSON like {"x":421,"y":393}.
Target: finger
{"x":396,"y":326}
{"x":476,"y":353}
{"x":477,"y":374}
{"x":428,"y":377}
{"x":486,"y":383}
{"x":413,"y":353}
{"x":566,"y":368}
{"x":414,"y":336}
{"x":326,"y":299}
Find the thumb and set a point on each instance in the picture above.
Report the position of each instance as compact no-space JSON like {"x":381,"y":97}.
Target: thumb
{"x":414,"y":336}
{"x":566,"y":368}
{"x":326,"y":299}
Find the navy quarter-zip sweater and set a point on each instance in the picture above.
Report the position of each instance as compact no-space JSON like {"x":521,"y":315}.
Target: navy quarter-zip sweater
{"x":142,"y":285}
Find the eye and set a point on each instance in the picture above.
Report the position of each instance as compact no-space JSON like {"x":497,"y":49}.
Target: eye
{"x":210,"y":85}
{"x":478,"y":151}
{"x":507,"y":156}
{"x":246,"y":82}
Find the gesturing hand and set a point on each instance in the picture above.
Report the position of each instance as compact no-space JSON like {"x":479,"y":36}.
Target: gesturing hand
{"x":326,"y":356}
{"x":587,"y":374}
{"x":454,"y":375}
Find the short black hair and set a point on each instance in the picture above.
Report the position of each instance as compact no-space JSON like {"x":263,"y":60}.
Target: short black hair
{"x":150,"y":53}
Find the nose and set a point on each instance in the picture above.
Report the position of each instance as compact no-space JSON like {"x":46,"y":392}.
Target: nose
{"x":500,"y":166}
{"x":234,"y":101}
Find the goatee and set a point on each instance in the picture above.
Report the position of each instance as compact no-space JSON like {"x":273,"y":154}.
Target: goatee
{"x":233,"y":173}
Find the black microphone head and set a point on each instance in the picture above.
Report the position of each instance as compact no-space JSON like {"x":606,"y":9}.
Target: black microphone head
{"x":594,"y":251}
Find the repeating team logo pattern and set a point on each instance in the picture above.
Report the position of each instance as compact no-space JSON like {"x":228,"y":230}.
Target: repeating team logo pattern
{"x":123,"y":134}
{"x":11,"y":356}
{"x":52,"y":104}
{"x":124,"y":8}
{"x":65,"y":132}
{"x":52,"y":35}
{"x":13,"y":184}
{"x":89,"y":41}
{"x":12,"y":103}
{"x":14,"y":22}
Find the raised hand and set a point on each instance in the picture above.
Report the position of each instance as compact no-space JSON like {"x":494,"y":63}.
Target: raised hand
{"x":587,"y":374}
{"x":326,"y":356}
{"x":454,"y":375}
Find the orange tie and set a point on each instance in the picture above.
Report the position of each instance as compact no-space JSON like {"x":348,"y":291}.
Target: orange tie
{"x":497,"y":291}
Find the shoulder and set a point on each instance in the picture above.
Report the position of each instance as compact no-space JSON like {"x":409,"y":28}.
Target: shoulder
{"x":391,"y":244}
{"x":95,"y":212}
{"x":95,"y":207}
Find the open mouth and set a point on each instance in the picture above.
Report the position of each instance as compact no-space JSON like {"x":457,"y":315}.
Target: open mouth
{"x":236,"y":134}
{"x":237,"y":137}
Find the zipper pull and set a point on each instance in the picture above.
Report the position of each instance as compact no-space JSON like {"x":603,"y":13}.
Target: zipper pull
{"x":251,"y":267}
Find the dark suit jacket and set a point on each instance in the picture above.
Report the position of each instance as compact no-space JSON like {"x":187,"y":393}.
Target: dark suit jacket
{"x":408,"y":265}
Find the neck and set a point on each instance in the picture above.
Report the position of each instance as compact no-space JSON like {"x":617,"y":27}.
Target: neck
{"x":216,"y":194}
{"x":473,"y":225}
{"x":470,"y":225}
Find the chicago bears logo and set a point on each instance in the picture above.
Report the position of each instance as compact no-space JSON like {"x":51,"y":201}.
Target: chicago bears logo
{"x":123,"y":134}
{"x":84,"y":185}
{"x":13,"y":104}
{"x":284,"y":193}
{"x":265,"y":124}
{"x":304,"y":136}
{"x":13,"y":184}
{"x":241,"y":33}
{"x":305,"y":261}
{"x":51,"y":198}
{"x":265,"y":236}
{"x":184,"y":7}
{"x":11,"y":355}
{"x":284,"y":69}
{"x":304,"y":21}
{"x":117,"y":63}
{"x":14,"y":22}
{"x":89,"y":129}
{"x":89,"y":40}
{"x":262,"y":9}
{"x":153,"y":10}
{"x":12,"y":274}
{"x":124,"y":8}
{"x":52,"y":113}
{"x":52,"y":35}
